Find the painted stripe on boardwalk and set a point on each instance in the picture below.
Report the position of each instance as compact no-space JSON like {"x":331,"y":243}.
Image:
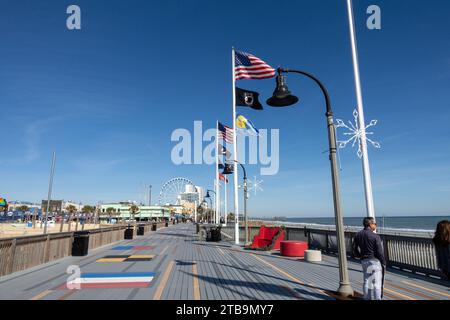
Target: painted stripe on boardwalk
{"x":163,"y":282}
{"x":196,"y":285}
{"x":42,"y":295}
{"x":426,"y":289}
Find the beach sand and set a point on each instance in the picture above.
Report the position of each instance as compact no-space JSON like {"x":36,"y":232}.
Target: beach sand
{"x":9,"y":230}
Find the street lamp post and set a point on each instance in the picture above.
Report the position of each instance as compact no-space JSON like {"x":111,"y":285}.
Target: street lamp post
{"x":282,"y":97}
{"x":208,"y":196}
{"x":228,"y":170}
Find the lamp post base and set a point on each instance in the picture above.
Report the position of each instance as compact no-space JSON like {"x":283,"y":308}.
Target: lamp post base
{"x":345,"y":290}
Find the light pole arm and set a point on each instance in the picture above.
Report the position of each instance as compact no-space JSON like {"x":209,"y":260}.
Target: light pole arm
{"x":243,"y":169}
{"x":316,"y":80}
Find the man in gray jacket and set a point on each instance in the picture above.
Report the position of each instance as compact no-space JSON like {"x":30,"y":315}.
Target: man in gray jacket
{"x":368,"y":247}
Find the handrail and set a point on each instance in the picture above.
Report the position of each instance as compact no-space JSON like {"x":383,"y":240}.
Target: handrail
{"x":414,"y":253}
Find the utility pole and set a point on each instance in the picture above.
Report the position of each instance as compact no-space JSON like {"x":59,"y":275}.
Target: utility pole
{"x":150,"y":195}
{"x":50,"y":186}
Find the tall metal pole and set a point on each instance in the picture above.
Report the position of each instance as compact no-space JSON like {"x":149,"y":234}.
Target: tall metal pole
{"x":50,"y":186}
{"x":195,"y":211}
{"x":217,"y":175}
{"x":361,"y":122}
{"x":236,"y":194}
{"x":226,"y":202}
{"x":150,"y":195}
{"x":245,"y":202}
{"x":345,"y":288}
{"x":245,"y":206}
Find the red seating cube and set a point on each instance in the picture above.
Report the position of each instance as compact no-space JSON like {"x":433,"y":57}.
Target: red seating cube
{"x":293,"y":248}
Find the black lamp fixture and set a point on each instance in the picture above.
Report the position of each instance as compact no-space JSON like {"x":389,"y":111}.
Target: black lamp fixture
{"x":282,"y":97}
{"x":228,"y":169}
{"x":207,"y":195}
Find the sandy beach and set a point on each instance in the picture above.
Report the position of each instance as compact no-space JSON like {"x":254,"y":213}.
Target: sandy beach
{"x":9,"y":230}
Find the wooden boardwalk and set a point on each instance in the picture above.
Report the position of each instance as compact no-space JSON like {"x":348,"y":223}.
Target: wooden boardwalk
{"x":188,"y":269}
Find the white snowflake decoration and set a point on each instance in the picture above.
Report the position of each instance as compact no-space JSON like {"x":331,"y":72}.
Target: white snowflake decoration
{"x":354,"y":133}
{"x":255,"y":185}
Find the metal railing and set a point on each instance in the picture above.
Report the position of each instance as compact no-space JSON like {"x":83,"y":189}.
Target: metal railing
{"x":25,"y":252}
{"x":414,"y":252}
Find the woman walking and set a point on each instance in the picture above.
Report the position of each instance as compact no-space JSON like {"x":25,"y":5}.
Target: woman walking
{"x":441,"y":241}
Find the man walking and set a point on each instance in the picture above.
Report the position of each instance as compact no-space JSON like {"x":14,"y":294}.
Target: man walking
{"x":368,"y":247}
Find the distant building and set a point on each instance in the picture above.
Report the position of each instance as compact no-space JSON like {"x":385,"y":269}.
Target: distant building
{"x":59,"y":206}
{"x":191,"y":195}
{"x":122,"y":211}
{"x":15,"y":205}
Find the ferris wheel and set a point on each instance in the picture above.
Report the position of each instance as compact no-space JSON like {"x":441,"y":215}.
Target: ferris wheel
{"x":171,"y":191}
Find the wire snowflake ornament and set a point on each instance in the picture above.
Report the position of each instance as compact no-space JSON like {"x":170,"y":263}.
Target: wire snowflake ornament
{"x":255,"y":185}
{"x":354,"y":133}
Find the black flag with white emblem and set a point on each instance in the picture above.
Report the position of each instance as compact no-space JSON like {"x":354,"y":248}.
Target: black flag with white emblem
{"x":247,"y":98}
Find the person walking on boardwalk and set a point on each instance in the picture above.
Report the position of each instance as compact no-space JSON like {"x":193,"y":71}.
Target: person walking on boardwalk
{"x":441,"y":241}
{"x":368,"y":247}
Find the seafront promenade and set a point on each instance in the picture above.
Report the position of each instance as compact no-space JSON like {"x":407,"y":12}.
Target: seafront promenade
{"x":174,"y":264}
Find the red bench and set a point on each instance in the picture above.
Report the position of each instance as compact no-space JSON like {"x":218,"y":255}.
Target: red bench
{"x":268,"y":238}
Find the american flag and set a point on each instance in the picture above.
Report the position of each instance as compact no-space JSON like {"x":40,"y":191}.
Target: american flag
{"x":225,"y":133}
{"x":247,"y":66}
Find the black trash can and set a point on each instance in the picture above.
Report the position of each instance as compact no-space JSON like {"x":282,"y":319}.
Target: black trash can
{"x":167,"y":224}
{"x":154,"y":227}
{"x":129,"y":233}
{"x":213,"y":234}
{"x":80,"y":245}
{"x":140,"y":231}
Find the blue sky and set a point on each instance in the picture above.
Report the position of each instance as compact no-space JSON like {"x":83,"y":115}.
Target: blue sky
{"x":107,"y":98}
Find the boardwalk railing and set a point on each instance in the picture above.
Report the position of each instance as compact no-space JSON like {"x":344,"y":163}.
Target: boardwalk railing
{"x":414,"y":252}
{"x":21,"y":253}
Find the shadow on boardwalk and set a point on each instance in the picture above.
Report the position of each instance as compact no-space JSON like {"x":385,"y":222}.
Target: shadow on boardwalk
{"x":236,"y":286}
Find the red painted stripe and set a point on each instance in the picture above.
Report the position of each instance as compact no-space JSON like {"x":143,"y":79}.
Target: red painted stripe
{"x":144,"y":247}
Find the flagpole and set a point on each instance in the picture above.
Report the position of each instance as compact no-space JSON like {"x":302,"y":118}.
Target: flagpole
{"x":217,"y":171}
{"x":226,"y":201}
{"x":236,"y":194}
{"x":361,"y":122}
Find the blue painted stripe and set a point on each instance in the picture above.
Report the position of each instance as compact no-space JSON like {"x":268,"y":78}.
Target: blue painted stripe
{"x":118,"y":275}
{"x":123,"y":248}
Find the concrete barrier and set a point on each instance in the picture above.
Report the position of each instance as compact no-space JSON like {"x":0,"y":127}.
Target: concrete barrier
{"x":313,"y":256}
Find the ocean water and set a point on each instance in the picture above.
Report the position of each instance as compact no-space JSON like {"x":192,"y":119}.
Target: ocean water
{"x":413,"y":223}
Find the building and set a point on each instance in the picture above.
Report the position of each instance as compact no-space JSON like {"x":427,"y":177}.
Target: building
{"x":59,"y":206}
{"x":15,"y":205}
{"x":191,"y":195}
{"x":121,"y":210}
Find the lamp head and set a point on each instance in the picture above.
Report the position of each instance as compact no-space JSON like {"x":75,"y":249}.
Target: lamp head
{"x":207,"y":195}
{"x":228,"y":169}
{"x":282,"y":97}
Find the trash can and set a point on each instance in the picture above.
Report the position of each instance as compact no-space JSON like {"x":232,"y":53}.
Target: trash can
{"x":80,"y":245}
{"x":140,"y":231}
{"x":129,"y":233}
{"x":154,"y":227}
{"x":213,"y":234}
{"x":167,"y":224}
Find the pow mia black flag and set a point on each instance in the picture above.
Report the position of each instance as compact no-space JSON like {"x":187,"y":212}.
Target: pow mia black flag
{"x":246,"y":98}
